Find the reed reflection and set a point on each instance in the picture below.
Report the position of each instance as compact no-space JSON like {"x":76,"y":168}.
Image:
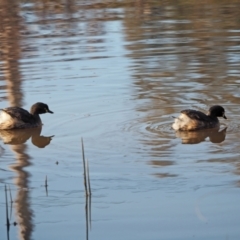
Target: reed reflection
{"x":10,"y":38}
{"x":194,"y":137}
{"x":10,"y":44}
{"x":172,"y":60}
{"x":179,"y":62}
{"x":10,"y":58}
{"x":162,"y":163}
{"x":17,"y":139}
{"x":88,"y":193}
{"x":23,"y":209}
{"x":88,"y":219}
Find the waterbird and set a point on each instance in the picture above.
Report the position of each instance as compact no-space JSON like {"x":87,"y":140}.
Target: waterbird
{"x":190,"y":120}
{"x":19,"y":118}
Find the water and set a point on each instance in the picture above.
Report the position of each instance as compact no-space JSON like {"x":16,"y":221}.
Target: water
{"x":114,"y":73}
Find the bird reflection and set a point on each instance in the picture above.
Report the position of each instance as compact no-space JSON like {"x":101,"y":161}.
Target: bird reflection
{"x":20,"y":136}
{"x":194,"y":137}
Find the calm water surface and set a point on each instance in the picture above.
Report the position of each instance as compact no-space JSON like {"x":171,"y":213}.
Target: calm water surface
{"x":115,"y":73}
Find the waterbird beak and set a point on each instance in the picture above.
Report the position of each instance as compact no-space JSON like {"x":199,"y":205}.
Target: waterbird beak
{"x":49,"y":111}
{"x":224,"y":116}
